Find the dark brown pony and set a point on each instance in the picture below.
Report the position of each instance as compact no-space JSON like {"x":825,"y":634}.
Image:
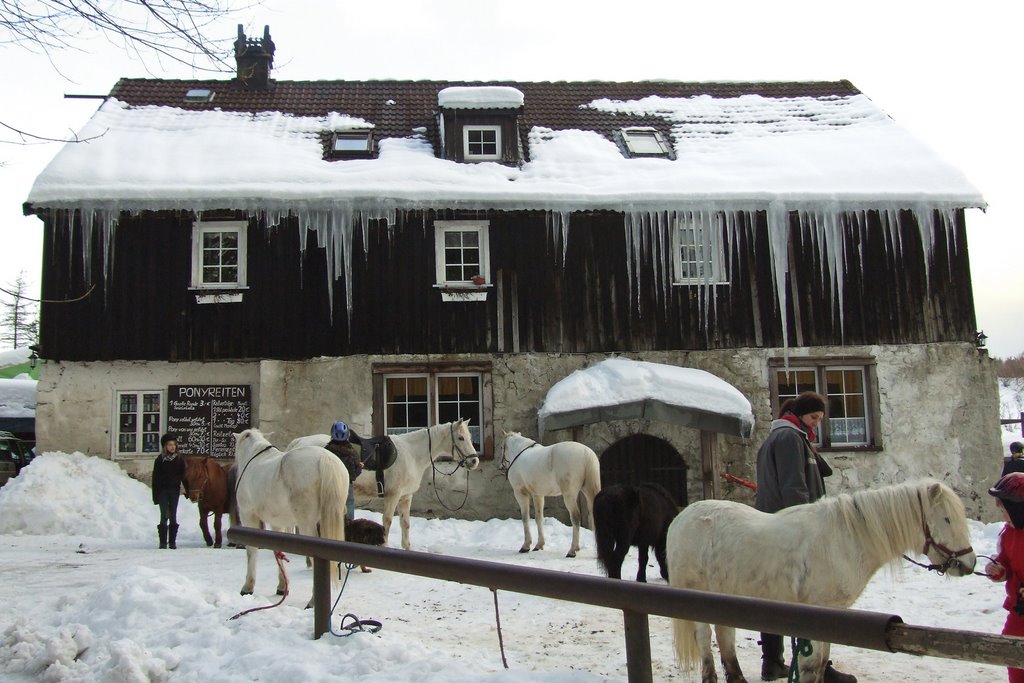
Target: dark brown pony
{"x":206,"y":484}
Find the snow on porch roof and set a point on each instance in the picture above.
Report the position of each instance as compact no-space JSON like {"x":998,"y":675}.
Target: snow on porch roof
{"x":620,"y":389}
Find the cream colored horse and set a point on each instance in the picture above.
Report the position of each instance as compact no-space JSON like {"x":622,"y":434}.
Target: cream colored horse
{"x":449,"y":441}
{"x":823,"y":553}
{"x":284,"y":491}
{"x":566,"y":468}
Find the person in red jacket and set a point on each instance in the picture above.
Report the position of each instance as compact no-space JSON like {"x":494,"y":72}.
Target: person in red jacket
{"x":1008,"y":564}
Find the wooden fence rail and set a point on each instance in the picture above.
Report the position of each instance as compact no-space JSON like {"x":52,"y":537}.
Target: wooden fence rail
{"x":859,"y":628}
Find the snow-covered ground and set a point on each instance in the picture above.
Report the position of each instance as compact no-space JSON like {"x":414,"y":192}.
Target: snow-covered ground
{"x":86,"y":596}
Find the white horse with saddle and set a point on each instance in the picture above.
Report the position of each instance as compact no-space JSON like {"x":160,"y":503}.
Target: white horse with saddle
{"x":566,"y":468}
{"x":822,"y":553}
{"x":416,"y":451}
{"x":300,"y":488}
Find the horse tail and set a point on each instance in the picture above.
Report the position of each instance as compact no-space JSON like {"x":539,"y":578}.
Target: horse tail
{"x":591,"y":486}
{"x":685,"y":638}
{"x":604,"y":516}
{"x":333,"y":494}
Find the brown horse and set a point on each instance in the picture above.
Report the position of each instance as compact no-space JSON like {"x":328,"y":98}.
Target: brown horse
{"x":206,"y":484}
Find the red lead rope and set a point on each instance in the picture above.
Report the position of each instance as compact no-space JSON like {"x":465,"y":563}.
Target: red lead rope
{"x":737,"y":480}
{"x":281,"y":558}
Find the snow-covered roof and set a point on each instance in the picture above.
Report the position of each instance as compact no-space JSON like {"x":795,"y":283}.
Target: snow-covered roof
{"x":745,"y":151}
{"x":480,"y":97}
{"x":620,"y":389}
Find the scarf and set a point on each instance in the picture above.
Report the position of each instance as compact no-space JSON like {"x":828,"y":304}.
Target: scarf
{"x":167,"y":457}
{"x":790,"y":417}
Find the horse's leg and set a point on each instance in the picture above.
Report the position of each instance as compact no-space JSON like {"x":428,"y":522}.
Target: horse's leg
{"x":538,"y":505}
{"x":203,"y":513}
{"x":641,"y":570}
{"x":217,"y":529}
{"x":390,"y":503}
{"x":813,"y":668}
{"x":727,"y":648}
{"x":659,"y":552}
{"x":282,"y":578}
{"x":572,"y":505}
{"x":404,"y":511}
{"x":702,"y":632}
{"x":524,"y":514}
{"x":250,"y":554}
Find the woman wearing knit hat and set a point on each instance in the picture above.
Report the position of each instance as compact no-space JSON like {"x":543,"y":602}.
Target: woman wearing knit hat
{"x":791,"y":472}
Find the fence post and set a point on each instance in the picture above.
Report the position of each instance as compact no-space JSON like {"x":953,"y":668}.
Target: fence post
{"x":638,"y":647}
{"x":1022,"y":424}
{"x":321,"y":597}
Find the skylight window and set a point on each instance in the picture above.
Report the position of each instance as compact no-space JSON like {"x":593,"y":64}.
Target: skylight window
{"x":352,"y":144}
{"x":644,"y":142}
{"x":199,"y":95}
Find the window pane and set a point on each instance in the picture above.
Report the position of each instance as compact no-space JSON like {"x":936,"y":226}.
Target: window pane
{"x":128,"y":402}
{"x":794,"y":382}
{"x":406,"y":405}
{"x":458,"y":396}
{"x":643,"y":143}
{"x":211,"y":275}
{"x":847,"y":416}
{"x":211,"y":240}
{"x":452,"y":238}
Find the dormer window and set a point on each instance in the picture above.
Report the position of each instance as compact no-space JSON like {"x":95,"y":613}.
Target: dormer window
{"x":481,"y":143}
{"x":348,"y":144}
{"x":199,"y":95}
{"x":644,"y":142}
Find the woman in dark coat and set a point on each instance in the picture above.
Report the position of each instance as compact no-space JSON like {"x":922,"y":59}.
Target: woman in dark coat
{"x":168,"y":474}
{"x":790,"y":471}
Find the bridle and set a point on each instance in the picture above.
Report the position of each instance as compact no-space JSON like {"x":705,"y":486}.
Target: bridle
{"x":930,"y":542}
{"x":504,"y":457}
{"x":461,"y":462}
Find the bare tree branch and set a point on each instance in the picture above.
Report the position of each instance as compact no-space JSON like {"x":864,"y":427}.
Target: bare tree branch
{"x":144,"y":29}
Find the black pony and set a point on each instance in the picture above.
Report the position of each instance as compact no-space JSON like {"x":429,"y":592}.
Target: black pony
{"x":627,"y":516}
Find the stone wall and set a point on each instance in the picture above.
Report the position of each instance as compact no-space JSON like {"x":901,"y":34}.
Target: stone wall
{"x":939,"y":415}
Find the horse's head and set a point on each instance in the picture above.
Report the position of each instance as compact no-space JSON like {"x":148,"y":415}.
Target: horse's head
{"x":247,"y":442}
{"x":196,"y":477}
{"x":947,"y":540}
{"x":463,"y":449}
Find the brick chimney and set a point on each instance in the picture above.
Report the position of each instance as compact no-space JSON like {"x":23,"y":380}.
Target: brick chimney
{"x":254,"y":59}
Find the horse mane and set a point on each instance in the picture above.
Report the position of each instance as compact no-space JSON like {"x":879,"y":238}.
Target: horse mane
{"x":887,"y":520}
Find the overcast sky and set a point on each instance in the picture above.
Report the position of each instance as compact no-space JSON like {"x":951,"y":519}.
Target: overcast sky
{"x":947,"y":71}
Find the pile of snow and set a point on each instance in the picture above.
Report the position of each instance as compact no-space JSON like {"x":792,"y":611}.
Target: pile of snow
{"x":79,"y":495}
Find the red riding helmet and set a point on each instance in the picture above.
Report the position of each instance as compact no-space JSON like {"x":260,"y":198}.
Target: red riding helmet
{"x":1009,"y":487}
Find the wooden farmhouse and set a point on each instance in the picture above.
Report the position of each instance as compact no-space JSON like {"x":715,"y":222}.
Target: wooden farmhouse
{"x":284,"y":254}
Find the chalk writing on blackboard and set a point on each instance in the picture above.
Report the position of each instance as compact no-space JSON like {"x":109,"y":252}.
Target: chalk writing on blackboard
{"x":204,"y":416}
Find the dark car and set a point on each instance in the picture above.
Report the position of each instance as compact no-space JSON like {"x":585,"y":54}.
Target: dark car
{"x":14,"y":455}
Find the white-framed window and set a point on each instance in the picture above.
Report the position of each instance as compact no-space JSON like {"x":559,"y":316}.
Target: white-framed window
{"x":138,"y":421}
{"x":481,"y":143}
{"x":461,"y":253}
{"x":219,"y":255}
{"x":850,"y":390}
{"x":697,"y":249}
{"x":644,"y":142}
{"x":416,"y":400}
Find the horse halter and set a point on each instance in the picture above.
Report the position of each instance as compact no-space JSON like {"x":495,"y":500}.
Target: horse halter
{"x":504,"y":458}
{"x":462,"y":457}
{"x":929,"y":542}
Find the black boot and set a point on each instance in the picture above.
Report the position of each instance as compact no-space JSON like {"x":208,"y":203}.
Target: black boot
{"x":172,"y":536}
{"x":773,"y":665}
{"x":161,"y":530}
{"x":833,"y":676}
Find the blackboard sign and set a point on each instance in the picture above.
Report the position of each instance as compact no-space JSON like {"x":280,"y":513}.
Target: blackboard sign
{"x":204,"y":416}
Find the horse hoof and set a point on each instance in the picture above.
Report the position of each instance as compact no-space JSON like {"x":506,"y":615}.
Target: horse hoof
{"x":216,"y":545}
{"x":525,"y":549}
{"x":570,"y":554}
{"x":245,"y":592}
{"x":365,"y":570}
{"x":281,"y":592}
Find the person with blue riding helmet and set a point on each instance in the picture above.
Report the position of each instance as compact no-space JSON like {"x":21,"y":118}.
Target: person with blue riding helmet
{"x":341,"y":445}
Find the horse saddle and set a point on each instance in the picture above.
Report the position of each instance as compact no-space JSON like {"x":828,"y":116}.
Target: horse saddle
{"x":378,"y":454}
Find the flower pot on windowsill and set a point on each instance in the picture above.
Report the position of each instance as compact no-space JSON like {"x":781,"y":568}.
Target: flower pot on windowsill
{"x":478,"y":280}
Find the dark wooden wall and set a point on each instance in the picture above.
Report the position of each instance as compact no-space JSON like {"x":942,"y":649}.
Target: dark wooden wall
{"x":147,"y":311}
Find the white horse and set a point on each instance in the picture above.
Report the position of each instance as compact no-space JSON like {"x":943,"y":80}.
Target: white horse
{"x":534,"y":471}
{"x":823,"y":553}
{"x":295,"y":489}
{"x":417,"y":450}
